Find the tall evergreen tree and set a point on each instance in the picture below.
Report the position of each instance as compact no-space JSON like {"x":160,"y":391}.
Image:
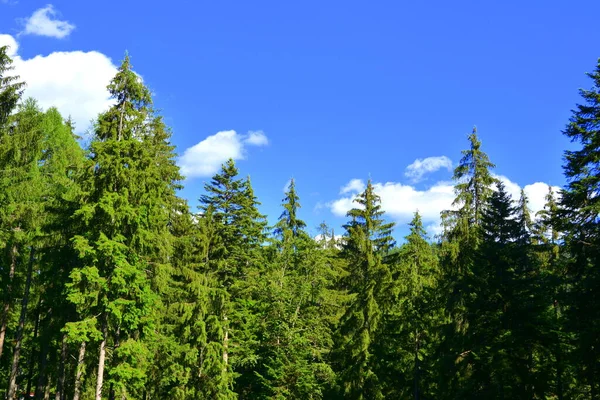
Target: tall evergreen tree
{"x":294,"y":328}
{"x":581,"y":204}
{"x":411,"y":322}
{"x":460,"y":241}
{"x":126,"y":244}
{"x":10,"y":94}
{"x":11,"y":89}
{"x":368,"y":240}
{"x":236,"y":263}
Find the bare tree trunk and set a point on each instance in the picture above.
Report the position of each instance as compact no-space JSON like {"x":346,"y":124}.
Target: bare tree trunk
{"x":416,"y":367}
{"x":12,"y":385}
{"x":101,"y":360}
{"x":6,"y":307}
{"x":43,"y":380}
{"x":47,"y":390}
{"x":111,"y":389}
{"x":79,"y":371}
{"x":32,"y":356}
{"x":226,"y":344}
{"x":60,"y":384}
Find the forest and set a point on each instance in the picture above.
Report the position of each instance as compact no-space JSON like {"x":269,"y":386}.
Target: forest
{"x":112,"y":287}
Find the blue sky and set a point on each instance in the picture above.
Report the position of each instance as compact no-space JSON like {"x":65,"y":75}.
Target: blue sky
{"x":329,"y":93}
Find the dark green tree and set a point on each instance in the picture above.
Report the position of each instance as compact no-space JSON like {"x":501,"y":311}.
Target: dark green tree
{"x":410,"y":332}
{"x":368,"y":240}
{"x":10,"y":95}
{"x":460,"y":241}
{"x":581,"y":207}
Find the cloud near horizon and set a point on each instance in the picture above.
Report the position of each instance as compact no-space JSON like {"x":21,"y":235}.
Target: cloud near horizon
{"x":400,"y":201}
{"x":206,"y":157}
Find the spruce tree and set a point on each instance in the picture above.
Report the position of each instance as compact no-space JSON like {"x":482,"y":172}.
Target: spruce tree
{"x":294,"y":330}
{"x":581,"y":206}
{"x":11,"y":89}
{"x":411,"y":322}
{"x":460,"y":241}
{"x":125,"y":245}
{"x":236,"y":263}
{"x":10,"y":94}
{"x":368,"y":240}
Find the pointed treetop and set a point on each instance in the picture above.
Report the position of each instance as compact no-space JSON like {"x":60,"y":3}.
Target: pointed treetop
{"x":127,"y":86}
{"x":11,"y":89}
{"x":288,"y":220}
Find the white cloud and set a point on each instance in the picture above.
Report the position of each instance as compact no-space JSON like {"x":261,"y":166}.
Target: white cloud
{"x":400,"y":201}
{"x":420,"y":167}
{"x":13,"y":46}
{"x":256,"y":138}
{"x":43,"y":23}
{"x":205,"y":158}
{"x":535,"y":192}
{"x":354,"y":186}
{"x":511,"y":187}
{"x":74,"y":81}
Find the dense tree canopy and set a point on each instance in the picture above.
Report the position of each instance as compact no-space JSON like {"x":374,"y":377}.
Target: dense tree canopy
{"x":113,"y":287}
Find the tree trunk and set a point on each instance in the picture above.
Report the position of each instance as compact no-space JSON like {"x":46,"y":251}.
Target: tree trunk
{"x":111,"y":390}
{"x":47,"y":391}
{"x":416,"y":368}
{"x":226,"y":344}
{"x":60,"y":384}
{"x":101,"y":360}
{"x":12,"y":385}
{"x":6,"y":307}
{"x":559,"y":371}
{"x":32,"y":356}
{"x":43,"y":380}
{"x":79,"y":371}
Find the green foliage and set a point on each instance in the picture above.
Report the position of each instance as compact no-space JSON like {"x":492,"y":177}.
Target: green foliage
{"x":367,"y":242}
{"x":412,"y":319}
{"x":112,"y":288}
{"x":580,"y":205}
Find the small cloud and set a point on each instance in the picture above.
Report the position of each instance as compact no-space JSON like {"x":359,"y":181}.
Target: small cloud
{"x":43,"y":23}
{"x":354,"y":186}
{"x":206,"y":157}
{"x":256,"y":138}
{"x":420,"y":167}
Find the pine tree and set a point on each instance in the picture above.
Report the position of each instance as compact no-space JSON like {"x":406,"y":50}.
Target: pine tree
{"x":460,"y":241}
{"x":368,"y":240}
{"x":62,"y":158}
{"x":293,"y":330}
{"x":236,"y":263}
{"x":505,"y":309}
{"x":189,"y":358}
{"x":11,"y":89}
{"x":10,"y":94}
{"x":125,"y":246}
{"x":411,"y":322}
{"x":21,"y":215}
{"x":581,"y":206}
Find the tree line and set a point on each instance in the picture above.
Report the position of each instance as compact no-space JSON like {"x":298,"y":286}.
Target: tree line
{"x":112,"y":287}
